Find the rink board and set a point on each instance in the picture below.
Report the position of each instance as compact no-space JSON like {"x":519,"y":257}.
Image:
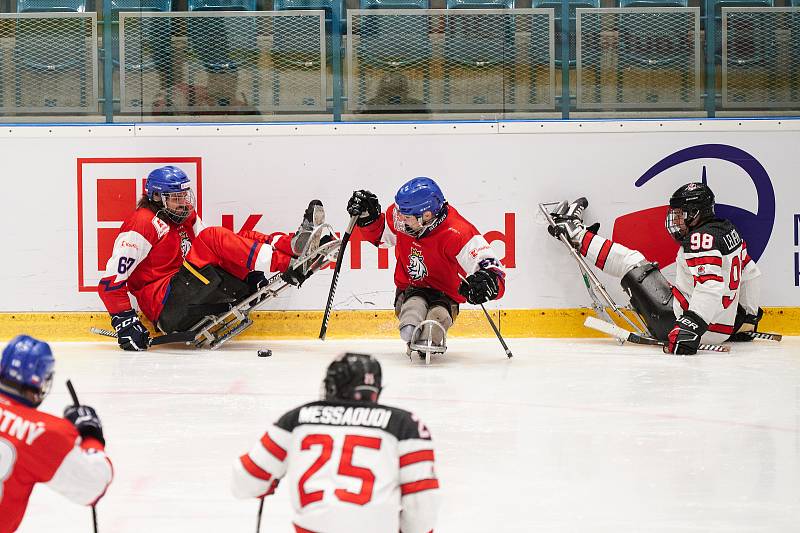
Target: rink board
{"x":73,"y":185}
{"x":513,"y":323}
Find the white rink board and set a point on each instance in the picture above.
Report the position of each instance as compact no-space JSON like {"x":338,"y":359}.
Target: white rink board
{"x":487,"y":170}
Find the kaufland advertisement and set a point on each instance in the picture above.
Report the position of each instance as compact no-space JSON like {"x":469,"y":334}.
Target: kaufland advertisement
{"x":66,"y":194}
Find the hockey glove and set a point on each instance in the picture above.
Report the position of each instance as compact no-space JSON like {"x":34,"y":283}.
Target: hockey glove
{"x":480,"y":287}
{"x":749,"y":323}
{"x":86,"y":421}
{"x":131,"y":334}
{"x":684,"y":339}
{"x":364,"y":205}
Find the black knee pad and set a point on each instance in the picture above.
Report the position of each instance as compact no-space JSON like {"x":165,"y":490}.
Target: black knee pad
{"x":197,"y":292}
{"x":651,"y":297}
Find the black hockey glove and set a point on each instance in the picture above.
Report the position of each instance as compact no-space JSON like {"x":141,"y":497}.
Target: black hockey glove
{"x":480,"y":287}
{"x":749,"y":323}
{"x":86,"y":421}
{"x":364,"y":205}
{"x":131,"y":334}
{"x":684,"y":339}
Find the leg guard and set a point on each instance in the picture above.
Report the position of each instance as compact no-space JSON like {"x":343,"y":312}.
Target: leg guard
{"x":651,"y":297}
{"x":195,"y":293}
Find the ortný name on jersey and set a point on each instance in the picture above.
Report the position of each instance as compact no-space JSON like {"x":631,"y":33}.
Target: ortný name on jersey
{"x":17,"y":427}
{"x":339,"y":415}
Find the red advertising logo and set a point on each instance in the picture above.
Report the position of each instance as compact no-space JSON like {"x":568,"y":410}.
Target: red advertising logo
{"x":108,"y":189}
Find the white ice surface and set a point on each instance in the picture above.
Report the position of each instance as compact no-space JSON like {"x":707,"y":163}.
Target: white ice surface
{"x":568,"y":436}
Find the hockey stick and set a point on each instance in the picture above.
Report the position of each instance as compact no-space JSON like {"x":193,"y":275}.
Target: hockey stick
{"x":184,"y":337}
{"x":625,"y":335}
{"x":76,"y":403}
{"x":260,"y":510}
{"x":491,"y":323}
{"x":323,"y":330}
{"x":593,"y":284}
{"x":764,"y":336}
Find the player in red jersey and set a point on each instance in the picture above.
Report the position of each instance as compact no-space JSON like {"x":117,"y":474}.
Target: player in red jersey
{"x":352,"y":465}
{"x":179,"y":269}
{"x":67,"y":454}
{"x":435,"y":246}
{"x":717,"y":284}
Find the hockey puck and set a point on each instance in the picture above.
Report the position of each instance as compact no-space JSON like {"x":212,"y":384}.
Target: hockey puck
{"x":265,"y":353}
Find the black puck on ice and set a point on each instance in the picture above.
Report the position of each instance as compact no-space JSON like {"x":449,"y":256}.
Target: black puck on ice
{"x":265,"y":353}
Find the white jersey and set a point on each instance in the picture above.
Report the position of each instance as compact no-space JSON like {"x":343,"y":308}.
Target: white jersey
{"x":715,"y":275}
{"x":350,"y":467}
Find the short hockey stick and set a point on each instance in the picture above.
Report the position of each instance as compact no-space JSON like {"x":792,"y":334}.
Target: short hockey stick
{"x":183,"y":337}
{"x":323,"y":330}
{"x":625,"y":335}
{"x":491,"y":323}
{"x":76,"y":403}
{"x":764,"y":335}
{"x":593,"y":284}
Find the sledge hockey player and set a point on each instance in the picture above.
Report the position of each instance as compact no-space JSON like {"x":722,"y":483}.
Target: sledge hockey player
{"x":352,"y":465}
{"x":434,"y":247}
{"x":181,"y":270}
{"x":716,"y":291}
{"x":66,"y":454}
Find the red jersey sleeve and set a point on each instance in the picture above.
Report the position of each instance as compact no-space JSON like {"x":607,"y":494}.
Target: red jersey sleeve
{"x":373,"y":232}
{"x":136,"y":238}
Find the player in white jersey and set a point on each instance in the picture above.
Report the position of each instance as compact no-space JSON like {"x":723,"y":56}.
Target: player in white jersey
{"x":352,"y":465}
{"x":716,"y":293}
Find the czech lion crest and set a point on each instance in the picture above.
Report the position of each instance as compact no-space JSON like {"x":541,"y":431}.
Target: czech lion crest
{"x":416,"y":265}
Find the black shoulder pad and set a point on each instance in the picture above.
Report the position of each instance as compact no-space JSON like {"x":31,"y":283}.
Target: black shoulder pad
{"x":716,"y":234}
{"x":405,"y":425}
{"x":288,"y":421}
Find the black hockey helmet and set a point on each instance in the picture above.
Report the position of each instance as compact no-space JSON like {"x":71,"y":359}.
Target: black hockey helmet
{"x":353,"y":376}
{"x":689,"y":206}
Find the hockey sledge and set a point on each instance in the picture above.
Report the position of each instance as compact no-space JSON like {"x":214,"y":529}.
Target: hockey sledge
{"x":426,"y":348}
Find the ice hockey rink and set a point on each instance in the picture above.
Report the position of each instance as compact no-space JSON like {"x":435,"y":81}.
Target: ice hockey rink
{"x":568,"y":436}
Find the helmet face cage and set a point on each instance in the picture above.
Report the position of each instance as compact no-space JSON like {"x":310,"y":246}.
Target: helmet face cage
{"x":688,"y":206}
{"x":414,"y":199}
{"x":676,"y":223}
{"x":177,"y":206}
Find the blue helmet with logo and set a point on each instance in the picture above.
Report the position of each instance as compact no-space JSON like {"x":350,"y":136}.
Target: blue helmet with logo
{"x":26,"y":367}
{"x":170,"y":188}
{"x":419,"y":195}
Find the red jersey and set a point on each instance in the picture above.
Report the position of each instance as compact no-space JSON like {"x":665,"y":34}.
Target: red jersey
{"x":36,"y":447}
{"x":147,"y":252}
{"x":437,"y":258}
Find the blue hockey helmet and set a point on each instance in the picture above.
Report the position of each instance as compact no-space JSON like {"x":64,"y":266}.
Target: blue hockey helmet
{"x":26,"y":369}
{"x":170,"y":188}
{"x":419,"y":195}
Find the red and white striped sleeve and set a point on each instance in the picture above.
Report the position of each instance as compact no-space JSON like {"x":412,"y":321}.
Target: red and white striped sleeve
{"x":256,"y":473}
{"x":84,"y":474}
{"x":708,"y":277}
{"x":419,"y":486}
{"x":750,"y":287}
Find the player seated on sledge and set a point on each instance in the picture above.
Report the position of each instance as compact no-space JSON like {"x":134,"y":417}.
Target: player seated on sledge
{"x":716,"y":293}
{"x":434,"y":246}
{"x":181,"y":270}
